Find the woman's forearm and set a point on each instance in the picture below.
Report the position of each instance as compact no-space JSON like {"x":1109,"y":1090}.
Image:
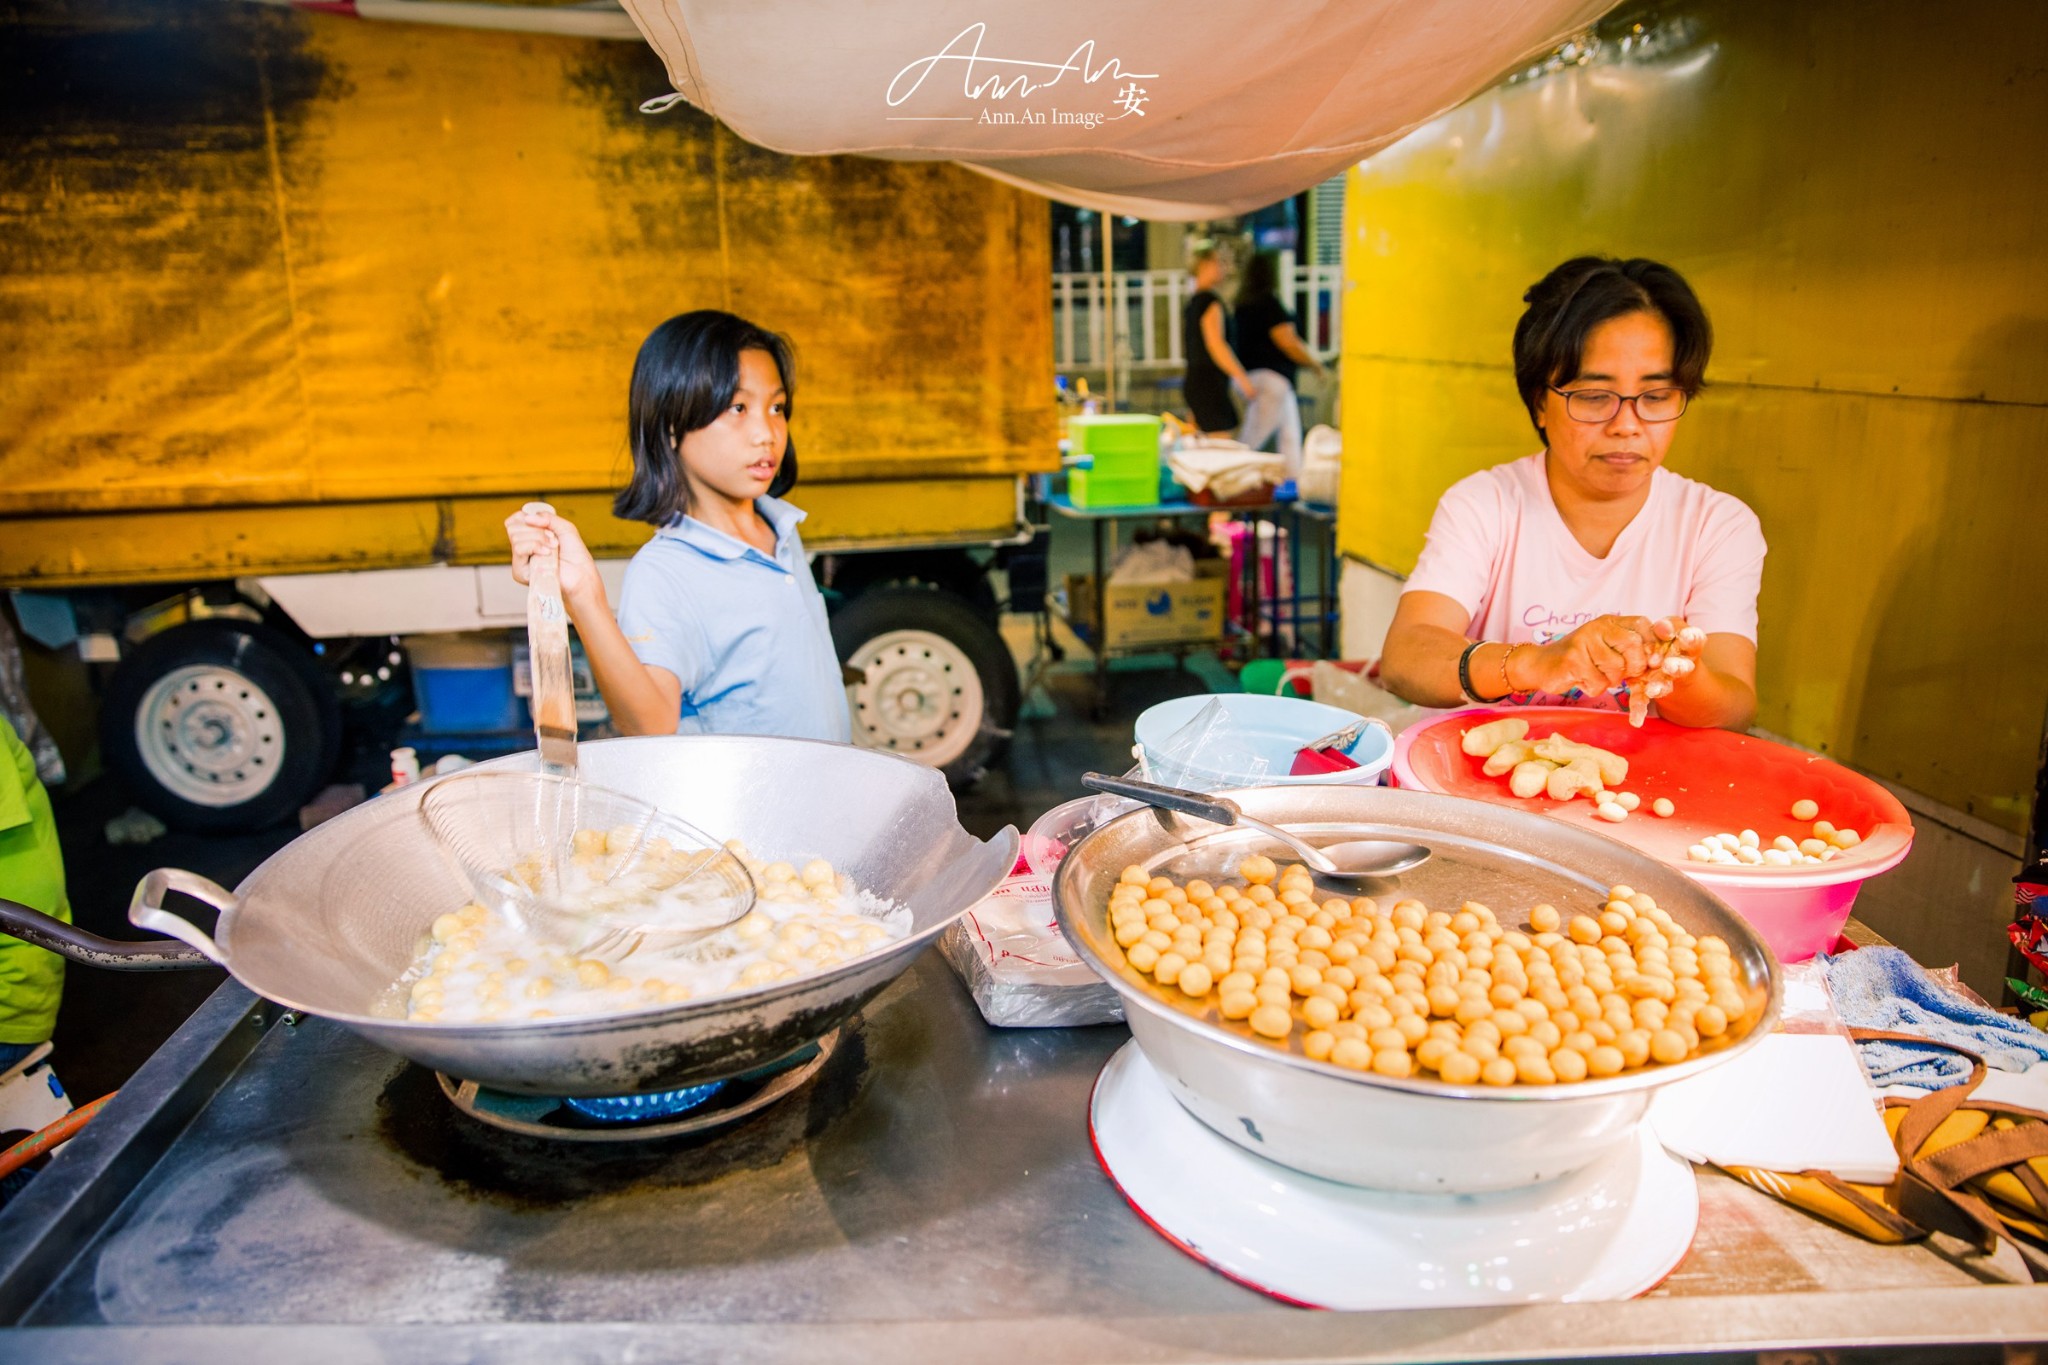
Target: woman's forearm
{"x":1420,"y":664}
{"x":638,"y":704}
{"x":1710,"y":698}
{"x":1219,"y":349}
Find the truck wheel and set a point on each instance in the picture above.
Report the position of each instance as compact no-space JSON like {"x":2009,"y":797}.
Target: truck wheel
{"x":938,"y":684}
{"x":221,"y":725}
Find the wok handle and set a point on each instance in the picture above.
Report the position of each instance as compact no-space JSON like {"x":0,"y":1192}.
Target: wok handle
{"x":146,"y":909}
{"x":65,"y":940}
{"x":1215,"y":809}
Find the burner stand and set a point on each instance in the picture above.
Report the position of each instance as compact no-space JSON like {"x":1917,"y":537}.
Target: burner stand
{"x":734,"y":1103}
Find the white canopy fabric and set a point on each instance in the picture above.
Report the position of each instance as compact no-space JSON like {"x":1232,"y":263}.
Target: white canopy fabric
{"x":1158,"y":109}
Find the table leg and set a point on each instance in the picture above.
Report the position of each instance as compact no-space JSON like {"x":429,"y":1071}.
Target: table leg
{"x":1253,"y":554}
{"x":1102,"y":525}
{"x":1333,"y":648}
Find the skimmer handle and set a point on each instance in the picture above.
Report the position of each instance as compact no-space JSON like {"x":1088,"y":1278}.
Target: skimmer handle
{"x":1215,"y":809}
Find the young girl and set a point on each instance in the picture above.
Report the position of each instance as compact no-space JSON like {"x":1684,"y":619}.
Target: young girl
{"x":721,"y":629}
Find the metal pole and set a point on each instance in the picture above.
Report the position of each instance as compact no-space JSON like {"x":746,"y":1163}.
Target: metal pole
{"x":1109,"y":311}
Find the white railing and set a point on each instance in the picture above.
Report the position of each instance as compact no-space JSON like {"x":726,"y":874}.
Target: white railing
{"x":1147,"y":309}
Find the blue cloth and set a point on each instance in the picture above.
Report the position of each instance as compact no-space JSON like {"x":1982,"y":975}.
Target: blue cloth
{"x":1882,"y":988}
{"x":744,"y":632}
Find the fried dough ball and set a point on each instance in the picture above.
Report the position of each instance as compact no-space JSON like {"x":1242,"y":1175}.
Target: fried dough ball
{"x":1404,"y":990}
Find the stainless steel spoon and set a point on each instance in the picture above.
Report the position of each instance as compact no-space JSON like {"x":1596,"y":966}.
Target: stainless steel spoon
{"x":1359,"y":860}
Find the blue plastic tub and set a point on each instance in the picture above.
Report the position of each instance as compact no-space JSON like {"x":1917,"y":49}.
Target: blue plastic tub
{"x":465,"y":701}
{"x":1271,"y":730}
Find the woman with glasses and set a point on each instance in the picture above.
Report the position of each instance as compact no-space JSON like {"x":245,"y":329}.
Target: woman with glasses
{"x":1551,"y":579}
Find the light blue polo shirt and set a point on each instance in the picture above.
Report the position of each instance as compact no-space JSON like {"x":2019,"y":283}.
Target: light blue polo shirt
{"x":744,"y":631}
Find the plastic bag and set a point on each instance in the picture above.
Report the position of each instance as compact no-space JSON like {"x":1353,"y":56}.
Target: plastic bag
{"x":1154,"y":561}
{"x":1211,"y":752}
{"x":1322,"y":466}
{"x":1020,"y":968}
{"x":1334,"y":686}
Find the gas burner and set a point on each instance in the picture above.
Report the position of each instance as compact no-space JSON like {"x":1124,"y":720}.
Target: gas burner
{"x":640,"y":1118}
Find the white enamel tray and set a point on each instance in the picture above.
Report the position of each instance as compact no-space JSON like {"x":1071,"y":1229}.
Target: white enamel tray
{"x":1609,"y":1231}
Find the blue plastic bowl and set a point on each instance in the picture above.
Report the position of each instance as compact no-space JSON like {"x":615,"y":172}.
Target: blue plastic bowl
{"x":1274,"y":729}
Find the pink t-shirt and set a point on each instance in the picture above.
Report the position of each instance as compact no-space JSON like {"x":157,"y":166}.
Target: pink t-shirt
{"x":1498,"y":547}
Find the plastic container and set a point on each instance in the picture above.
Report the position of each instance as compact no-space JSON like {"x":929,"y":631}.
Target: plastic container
{"x":1065,"y":825}
{"x":1092,"y":488}
{"x":1122,"y":444}
{"x":463,"y":684}
{"x":1720,"y":782}
{"x":1274,"y":729}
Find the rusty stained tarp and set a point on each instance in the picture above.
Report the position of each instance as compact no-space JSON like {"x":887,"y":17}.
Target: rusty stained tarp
{"x":250,"y":259}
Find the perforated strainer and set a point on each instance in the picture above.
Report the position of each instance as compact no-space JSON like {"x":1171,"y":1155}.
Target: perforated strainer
{"x":595,"y":870}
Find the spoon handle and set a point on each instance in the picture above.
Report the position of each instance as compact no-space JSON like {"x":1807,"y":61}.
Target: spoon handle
{"x":1214,"y":809}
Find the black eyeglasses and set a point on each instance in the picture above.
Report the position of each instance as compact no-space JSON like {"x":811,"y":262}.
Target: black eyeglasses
{"x":1600,"y":405}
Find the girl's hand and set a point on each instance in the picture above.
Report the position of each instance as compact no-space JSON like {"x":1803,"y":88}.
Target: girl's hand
{"x":537,"y":527}
{"x":1243,"y":384}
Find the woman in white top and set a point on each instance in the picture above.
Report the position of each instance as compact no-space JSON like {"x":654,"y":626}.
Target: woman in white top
{"x":1554,"y":577}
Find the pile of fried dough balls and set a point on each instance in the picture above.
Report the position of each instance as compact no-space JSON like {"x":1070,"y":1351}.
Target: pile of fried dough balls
{"x":1405,"y":990}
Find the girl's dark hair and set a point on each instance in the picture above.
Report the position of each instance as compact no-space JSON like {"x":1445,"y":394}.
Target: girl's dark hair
{"x":1261,"y":279}
{"x":1568,"y":303}
{"x":685,"y":375}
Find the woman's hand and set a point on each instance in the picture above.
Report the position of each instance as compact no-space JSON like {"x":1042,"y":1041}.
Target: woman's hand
{"x":1673,"y":659}
{"x":1599,"y":656}
{"x":537,"y":528}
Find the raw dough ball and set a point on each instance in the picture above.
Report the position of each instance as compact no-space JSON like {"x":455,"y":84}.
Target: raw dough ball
{"x":1805,"y":810}
{"x":1481,"y":740}
{"x":1531,"y":778}
{"x":1579,"y":775}
{"x":1505,"y":759}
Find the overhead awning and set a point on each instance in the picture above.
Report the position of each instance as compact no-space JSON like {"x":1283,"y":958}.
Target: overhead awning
{"x":1158,"y":110}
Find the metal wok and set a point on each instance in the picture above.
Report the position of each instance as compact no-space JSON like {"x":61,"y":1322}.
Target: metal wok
{"x":1419,"y":1134}
{"x":328,"y":922}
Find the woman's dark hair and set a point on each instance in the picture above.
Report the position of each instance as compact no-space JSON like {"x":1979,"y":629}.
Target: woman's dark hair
{"x":685,"y":375}
{"x":1568,"y":303}
{"x":1261,"y":279}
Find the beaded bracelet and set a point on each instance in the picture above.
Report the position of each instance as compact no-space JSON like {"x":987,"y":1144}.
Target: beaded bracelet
{"x":1511,"y":694}
{"x":1465,"y":673}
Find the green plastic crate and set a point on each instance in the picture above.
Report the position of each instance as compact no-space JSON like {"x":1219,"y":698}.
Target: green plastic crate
{"x":1088,"y":488}
{"x":1123,"y":445}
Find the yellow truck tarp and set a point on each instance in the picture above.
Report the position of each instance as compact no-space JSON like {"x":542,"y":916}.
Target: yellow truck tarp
{"x":286,"y":292}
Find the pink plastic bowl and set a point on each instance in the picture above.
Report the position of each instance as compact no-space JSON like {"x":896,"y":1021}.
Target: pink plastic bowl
{"x":1719,"y":781}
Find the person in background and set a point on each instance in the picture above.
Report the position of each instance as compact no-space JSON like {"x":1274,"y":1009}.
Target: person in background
{"x":1553,"y":578}
{"x":1271,"y":351}
{"x":721,"y":628}
{"x":31,"y":874}
{"x":1214,"y":371}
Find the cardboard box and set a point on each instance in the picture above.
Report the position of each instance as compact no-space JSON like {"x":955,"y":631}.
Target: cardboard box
{"x":1154,"y":613}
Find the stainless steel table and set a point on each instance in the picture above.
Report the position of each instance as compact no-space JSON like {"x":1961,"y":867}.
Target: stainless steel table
{"x":275,"y":1189}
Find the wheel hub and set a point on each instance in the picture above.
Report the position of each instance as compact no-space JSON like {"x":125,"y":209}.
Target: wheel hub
{"x":210,"y":735}
{"x":919,"y":696}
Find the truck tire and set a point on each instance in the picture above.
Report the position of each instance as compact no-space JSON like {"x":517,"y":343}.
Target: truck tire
{"x":938,"y":682}
{"x":221,"y":725}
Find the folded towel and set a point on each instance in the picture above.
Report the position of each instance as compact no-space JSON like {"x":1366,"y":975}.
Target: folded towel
{"x":1882,"y":988}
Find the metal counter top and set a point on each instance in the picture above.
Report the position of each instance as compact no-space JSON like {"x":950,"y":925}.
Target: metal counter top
{"x":285,"y":1188}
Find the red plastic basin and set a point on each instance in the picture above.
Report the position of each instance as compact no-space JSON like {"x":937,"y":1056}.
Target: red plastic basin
{"x":1720,"y":782}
